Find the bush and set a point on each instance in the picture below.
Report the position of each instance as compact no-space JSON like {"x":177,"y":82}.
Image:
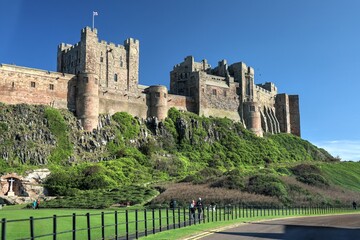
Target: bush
{"x":232,"y":180}
{"x":268,"y":185}
{"x":309,"y":174}
{"x":128,"y":125}
{"x":203,"y":176}
{"x":99,"y":199}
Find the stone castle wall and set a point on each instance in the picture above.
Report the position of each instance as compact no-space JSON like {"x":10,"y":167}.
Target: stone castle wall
{"x":96,"y":77}
{"x":33,"y":86}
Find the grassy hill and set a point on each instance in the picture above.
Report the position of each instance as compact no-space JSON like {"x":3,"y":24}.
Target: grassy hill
{"x":344,"y":174}
{"x":129,"y":159}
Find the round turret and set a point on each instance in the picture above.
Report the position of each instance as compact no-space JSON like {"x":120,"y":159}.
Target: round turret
{"x":253,"y":118}
{"x":158,"y":96}
{"x":87,"y":101}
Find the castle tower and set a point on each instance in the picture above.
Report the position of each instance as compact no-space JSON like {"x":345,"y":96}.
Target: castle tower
{"x":282,"y":112}
{"x":87,"y":101}
{"x":158,"y":102}
{"x":294,"y":114}
{"x":252,"y":118}
{"x":132,"y":58}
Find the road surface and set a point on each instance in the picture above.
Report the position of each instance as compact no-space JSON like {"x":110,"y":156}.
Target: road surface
{"x":323,"y":228}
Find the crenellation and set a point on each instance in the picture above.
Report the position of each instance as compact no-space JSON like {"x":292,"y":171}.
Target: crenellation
{"x":98,"y":77}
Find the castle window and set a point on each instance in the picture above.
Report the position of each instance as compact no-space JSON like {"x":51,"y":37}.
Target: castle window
{"x":12,"y":84}
{"x":121,"y":64}
{"x":214,"y":92}
{"x":101,"y":59}
{"x":115,"y":77}
{"x":33,"y":84}
{"x":225,"y":93}
{"x":157,"y":94}
{"x":51,"y":86}
{"x":252,"y":108}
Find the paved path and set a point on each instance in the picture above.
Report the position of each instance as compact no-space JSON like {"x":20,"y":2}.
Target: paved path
{"x":323,"y":227}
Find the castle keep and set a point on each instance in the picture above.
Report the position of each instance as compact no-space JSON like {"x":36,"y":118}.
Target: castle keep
{"x":96,"y":77}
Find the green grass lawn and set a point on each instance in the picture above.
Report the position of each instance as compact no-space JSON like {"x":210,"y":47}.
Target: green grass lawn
{"x":344,"y":174}
{"x":44,"y":220}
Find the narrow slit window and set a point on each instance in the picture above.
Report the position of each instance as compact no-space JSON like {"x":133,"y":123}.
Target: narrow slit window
{"x":32,"y":84}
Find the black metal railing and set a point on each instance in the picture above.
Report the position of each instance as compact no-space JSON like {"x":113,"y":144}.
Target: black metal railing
{"x":133,"y":224}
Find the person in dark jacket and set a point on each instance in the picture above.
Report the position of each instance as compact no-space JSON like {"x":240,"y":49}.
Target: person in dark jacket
{"x":199,"y":206}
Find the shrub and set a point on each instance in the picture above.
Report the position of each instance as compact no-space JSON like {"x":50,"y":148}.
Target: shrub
{"x":203,"y":176}
{"x":128,"y":125}
{"x":232,"y":180}
{"x":268,"y":185}
{"x":309,"y":174}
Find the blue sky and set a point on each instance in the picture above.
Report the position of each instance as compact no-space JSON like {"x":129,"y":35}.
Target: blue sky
{"x":310,"y":48}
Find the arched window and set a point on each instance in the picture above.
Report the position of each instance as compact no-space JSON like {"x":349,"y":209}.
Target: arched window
{"x":115,"y":77}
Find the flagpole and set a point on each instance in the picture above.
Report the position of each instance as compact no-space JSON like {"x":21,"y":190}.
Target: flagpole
{"x":93,"y":21}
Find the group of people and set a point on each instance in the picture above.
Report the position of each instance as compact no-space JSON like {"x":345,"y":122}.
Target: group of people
{"x":36,"y":204}
{"x":198,"y":205}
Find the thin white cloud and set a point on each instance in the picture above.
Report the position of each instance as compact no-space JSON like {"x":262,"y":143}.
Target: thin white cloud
{"x":347,"y":150}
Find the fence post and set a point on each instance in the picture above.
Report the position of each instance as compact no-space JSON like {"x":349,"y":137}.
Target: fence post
{"x":184,"y":212}
{"x":32,"y":228}
{"x":136,"y":224}
{"x":54,"y":227}
{"x":127,"y":223}
{"x":88,"y":225}
{"x":179,"y":217}
{"x":102,"y":225}
{"x":167,"y":219}
{"x":145,"y":223}
{"x":153,"y":221}
{"x":208,"y":214}
{"x":173,"y":217}
{"x":74,"y":226}
{"x":160,"y":219}
{"x":116,"y":224}
{"x":3,"y":229}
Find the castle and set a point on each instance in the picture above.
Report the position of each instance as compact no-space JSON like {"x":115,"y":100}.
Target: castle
{"x":96,"y":77}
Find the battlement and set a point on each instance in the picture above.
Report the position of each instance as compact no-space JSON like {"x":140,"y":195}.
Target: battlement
{"x":65,"y":47}
{"x":111,"y":44}
{"x":131,"y":40}
{"x":33,"y":71}
{"x":89,"y":29}
{"x":269,"y":86}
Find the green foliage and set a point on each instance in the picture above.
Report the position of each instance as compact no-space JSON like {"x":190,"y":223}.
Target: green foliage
{"x":128,"y":125}
{"x":309,"y":174}
{"x":232,"y":180}
{"x":174,"y":114}
{"x":99,"y":199}
{"x":268,"y":185}
{"x":203,"y":176}
{"x":3,"y":127}
{"x":59,"y":128}
{"x":66,"y":181}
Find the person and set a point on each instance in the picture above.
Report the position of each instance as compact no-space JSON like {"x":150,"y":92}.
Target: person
{"x":173,"y":204}
{"x":354,"y":205}
{"x":38,"y":203}
{"x":192,"y":209}
{"x":199,"y":207}
{"x":34,"y":205}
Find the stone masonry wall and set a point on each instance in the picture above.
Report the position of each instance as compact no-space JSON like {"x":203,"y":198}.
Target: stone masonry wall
{"x":33,"y":86}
